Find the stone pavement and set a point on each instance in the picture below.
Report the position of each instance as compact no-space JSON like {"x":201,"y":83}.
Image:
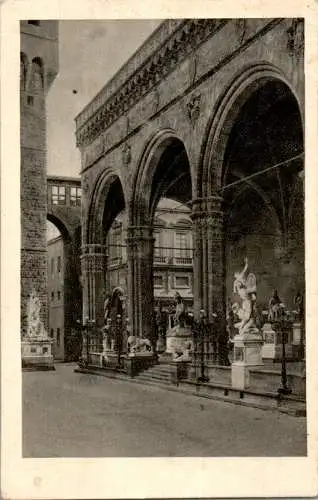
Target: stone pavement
{"x":71,"y":414}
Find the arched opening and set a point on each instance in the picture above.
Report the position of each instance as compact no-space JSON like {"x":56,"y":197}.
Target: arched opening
{"x":64,"y":289}
{"x":172,"y":264}
{"x":263,"y":193}
{"x":106,"y":234}
{"x":163,"y":192}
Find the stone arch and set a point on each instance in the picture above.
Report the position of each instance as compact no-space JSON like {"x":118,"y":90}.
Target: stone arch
{"x":143,"y":198}
{"x":72,"y":292}
{"x":226,"y":110}
{"x":62,"y":225}
{"x":94,"y":232}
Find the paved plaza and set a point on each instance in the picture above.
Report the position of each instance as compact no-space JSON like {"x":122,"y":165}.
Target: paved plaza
{"x":69,"y":414}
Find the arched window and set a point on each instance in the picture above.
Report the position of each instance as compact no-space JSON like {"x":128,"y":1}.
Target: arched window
{"x":37,"y":75}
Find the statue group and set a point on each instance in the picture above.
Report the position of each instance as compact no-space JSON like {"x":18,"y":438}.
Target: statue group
{"x":245,"y":287}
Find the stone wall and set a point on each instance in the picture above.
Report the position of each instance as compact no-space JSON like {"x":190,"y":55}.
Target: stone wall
{"x":42,"y":51}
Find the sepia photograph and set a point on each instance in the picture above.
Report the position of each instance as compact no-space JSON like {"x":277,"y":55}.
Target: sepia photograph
{"x":163,"y":266}
{"x":162,"y":271}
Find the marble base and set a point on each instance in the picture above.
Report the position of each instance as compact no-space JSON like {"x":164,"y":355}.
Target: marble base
{"x":296,"y":334}
{"x":272,"y":348}
{"x":37,"y":353}
{"x":247,"y":354}
{"x":178,"y":339}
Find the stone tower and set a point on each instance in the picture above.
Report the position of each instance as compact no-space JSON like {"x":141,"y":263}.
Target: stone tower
{"x":38,"y":68}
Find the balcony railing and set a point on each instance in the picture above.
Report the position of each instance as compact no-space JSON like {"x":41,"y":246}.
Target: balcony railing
{"x":183,"y":261}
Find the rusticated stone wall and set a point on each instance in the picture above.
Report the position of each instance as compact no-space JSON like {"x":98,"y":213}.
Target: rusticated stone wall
{"x":39,"y":58}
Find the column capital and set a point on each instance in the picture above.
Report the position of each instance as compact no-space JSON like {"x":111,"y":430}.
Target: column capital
{"x":205,"y":207}
{"x":139,"y":233}
{"x":93,"y":249}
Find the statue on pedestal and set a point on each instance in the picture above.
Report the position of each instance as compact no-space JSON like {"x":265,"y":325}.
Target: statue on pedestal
{"x":274,"y":307}
{"x":35,"y":325}
{"x":180,"y":310}
{"x":245,"y":287}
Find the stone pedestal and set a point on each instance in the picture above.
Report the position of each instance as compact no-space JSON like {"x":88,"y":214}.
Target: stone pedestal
{"x":272,"y":348}
{"x":178,"y":339}
{"x":37,"y":353}
{"x":247,"y":354}
{"x":298,"y":341}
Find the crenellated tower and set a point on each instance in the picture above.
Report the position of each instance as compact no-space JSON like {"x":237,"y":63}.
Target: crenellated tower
{"x":38,"y":69}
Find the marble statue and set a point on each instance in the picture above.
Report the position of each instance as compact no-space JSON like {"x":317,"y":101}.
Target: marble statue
{"x":274,"y":307}
{"x":180,"y":310}
{"x":138,"y":345}
{"x":35,"y":325}
{"x":245,"y":287}
{"x":107,"y":304}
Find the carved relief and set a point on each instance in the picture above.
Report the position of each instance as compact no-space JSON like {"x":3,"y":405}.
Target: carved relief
{"x":193,"y":107}
{"x":85,"y":184}
{"x":126,"y":153}
{"x":295,"y":34}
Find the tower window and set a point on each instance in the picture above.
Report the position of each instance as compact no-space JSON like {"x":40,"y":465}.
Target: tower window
{"x":34,"y":23}
{"x":30,"y":100}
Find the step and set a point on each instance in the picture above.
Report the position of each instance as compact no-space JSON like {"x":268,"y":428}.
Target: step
{"x":290,"y":405}
{"x":148,"y":376}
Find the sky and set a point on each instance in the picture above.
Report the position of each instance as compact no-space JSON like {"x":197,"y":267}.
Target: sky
{"x":90,"y":53}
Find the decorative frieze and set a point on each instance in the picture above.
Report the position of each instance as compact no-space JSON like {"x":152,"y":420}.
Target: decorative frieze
{"x":188,"y":35}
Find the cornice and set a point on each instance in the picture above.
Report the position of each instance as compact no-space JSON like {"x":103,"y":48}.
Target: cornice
{"x":170,"y":44}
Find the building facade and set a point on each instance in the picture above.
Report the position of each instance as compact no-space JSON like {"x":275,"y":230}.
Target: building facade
{"x":55,"y":290}
{"x":208,"y":112}
{"x":38,"y":68}
{"x":64,"y":270}
{"x":172,"y":257}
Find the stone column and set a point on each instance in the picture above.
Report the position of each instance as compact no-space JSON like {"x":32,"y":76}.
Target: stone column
{"x":197,"y":223}
{"x":140,"y":243}
{"x":94,"y":261}
{"x":209,"y":270}
{"x":214,"y":275}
